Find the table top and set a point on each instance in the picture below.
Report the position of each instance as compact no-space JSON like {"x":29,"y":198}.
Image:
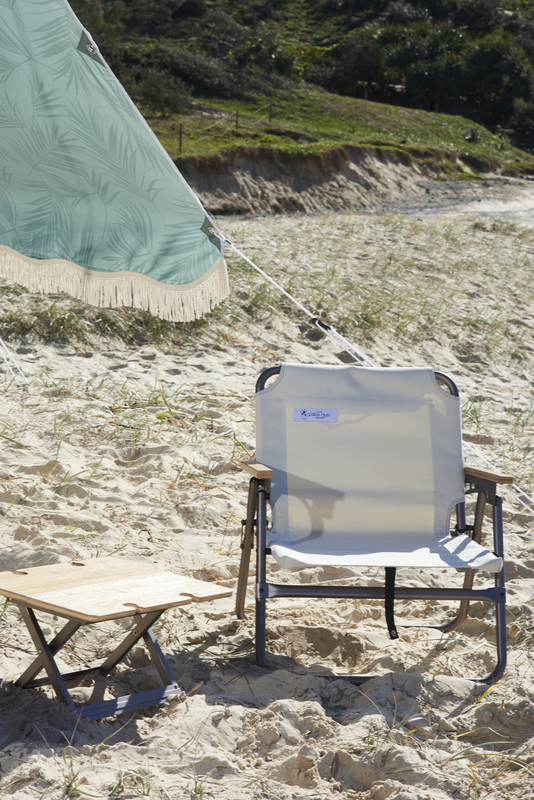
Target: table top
{"x":104,"y":588}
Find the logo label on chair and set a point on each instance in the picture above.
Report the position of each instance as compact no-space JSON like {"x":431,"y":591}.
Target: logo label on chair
{"x":315,"y":415}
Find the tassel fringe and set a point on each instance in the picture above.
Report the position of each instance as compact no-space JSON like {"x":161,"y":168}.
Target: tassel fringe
{"x":116,"y":289}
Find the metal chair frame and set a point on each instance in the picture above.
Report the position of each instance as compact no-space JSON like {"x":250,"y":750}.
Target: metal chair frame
{"x":255,"y":527}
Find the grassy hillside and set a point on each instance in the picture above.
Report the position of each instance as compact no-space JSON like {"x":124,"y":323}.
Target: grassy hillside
{"x":312,"y":74}
{"x":473,"y":58}
{"x":304,"y":119}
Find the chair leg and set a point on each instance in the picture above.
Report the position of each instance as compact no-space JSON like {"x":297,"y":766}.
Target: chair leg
{"x":389,"y":600}
{"x":500,"y":608}
{"x":496,"y":674}
{"x":469,"y":573}
{"x":260,"y":575}
{"x":248,"y":541}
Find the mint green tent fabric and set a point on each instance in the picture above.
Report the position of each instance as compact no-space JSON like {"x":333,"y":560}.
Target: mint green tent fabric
{"x":90,"y":203}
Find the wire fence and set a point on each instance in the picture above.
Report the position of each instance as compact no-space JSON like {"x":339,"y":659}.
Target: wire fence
{"x":233,"y":118}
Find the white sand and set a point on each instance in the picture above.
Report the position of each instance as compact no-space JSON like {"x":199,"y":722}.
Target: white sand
{"x":134,"y":453}
{"x":504,"y":198}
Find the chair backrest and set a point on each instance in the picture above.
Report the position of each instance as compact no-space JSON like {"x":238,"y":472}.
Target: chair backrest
{"x":360,"y":452}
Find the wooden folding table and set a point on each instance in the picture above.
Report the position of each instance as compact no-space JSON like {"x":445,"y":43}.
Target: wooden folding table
{"x":94,"y":591}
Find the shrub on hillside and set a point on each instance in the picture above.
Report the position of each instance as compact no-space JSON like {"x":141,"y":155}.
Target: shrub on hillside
{"x":400,"y":13}
{"x":439,"y":81}
{"x":190,"y":8}
{"x":358,"y":59}
{"x":161,"y":92}
{"x":480,"y":77}
{"x":522,"y":123}
{"x":205,"y":75}
{"x":437,"y":10}
{"x":269,"y":54}
{"x":422,"y":42}
{"x":479,"y":16}
{"x":497,"y":73}
{"x":522,"y":31}
{"x":160,"y":17}
{"x":90,"y":12}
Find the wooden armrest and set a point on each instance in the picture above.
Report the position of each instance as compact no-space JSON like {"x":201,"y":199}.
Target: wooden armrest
{"x":487,"y":475}
{"x":256,"y":469}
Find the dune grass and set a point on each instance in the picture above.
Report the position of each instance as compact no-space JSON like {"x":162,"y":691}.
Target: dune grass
{"x":26,"y":317}
{"x":369,"y":276}
{"x":453,"y":293}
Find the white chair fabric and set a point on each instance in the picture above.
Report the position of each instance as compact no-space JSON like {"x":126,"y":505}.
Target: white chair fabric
{"x":367,"y":468}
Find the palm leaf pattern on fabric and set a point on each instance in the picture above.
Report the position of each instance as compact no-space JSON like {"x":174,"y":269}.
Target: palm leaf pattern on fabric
{"x":82,"y":177}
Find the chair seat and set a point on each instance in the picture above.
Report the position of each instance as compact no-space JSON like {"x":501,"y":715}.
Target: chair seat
{"x":458,"y":552}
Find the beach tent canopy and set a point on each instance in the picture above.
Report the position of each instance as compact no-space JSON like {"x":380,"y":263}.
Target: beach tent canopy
{"x":90,"y":203}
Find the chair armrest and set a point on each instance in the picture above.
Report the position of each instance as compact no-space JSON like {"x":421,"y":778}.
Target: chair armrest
{"x":487,"y":475}
{"x":256,"y":469}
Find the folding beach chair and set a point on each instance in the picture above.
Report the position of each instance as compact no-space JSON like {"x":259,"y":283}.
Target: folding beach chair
{"x":363,"y":468}
{"x":95,"y":591}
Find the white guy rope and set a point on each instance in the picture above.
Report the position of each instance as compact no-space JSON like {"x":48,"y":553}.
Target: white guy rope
{"x":363,"y":360}
{"x":8,"y":357}
{"x":328,"y":329}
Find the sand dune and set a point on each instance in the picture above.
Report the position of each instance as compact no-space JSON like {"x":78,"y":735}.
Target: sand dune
{"x":133,"y":452}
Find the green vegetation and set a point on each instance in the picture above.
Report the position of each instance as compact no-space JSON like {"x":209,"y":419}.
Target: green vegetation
{"x":473,"y":58}
{"x":160,"y":93}
{"x":30,"y":317}
{"x":307,"y":120}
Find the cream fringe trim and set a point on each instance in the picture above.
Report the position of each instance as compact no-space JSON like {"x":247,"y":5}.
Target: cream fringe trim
{"x":116,"y":289}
